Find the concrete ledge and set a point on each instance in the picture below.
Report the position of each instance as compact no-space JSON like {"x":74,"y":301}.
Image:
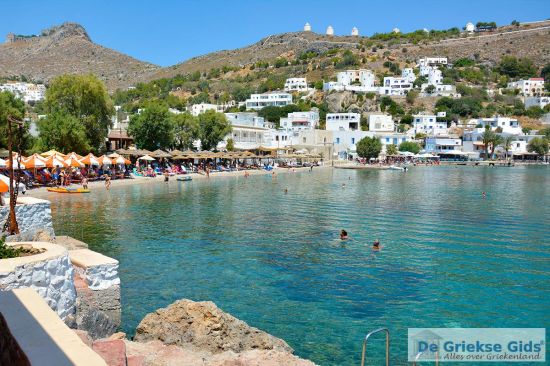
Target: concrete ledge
{"x":42,"y":337}
{"x":52,"y":251}
{"x":86,"y":258}
{"x":99,"y":271}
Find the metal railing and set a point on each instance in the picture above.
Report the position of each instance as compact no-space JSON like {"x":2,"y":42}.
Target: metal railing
{"x":420,"y":354}
{"x":363,"y":354}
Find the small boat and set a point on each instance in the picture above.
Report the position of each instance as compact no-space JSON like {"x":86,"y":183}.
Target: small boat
{"x":395,"y":167}
{"x":184,"y":178}
{"x":68,"y":190}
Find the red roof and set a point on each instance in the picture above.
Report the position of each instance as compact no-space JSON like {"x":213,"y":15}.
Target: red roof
{"x":537,"y":79}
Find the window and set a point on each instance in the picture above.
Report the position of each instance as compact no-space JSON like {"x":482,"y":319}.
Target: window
{"x":338,"y":140}
{"x":353,"y":140}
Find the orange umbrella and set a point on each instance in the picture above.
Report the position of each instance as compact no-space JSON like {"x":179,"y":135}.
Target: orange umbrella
{"x":4,"y":187}
{"x":90,"y":159}
{"x":55,"y":161}
{"x":16,"y":164}
{"x":35,"y":161}
{"x":103,"y":160}
{"x":47,"y":154}
{"x":73,"y":160}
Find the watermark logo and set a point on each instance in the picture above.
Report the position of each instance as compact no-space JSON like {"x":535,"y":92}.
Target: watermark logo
{"x":477,"y":344}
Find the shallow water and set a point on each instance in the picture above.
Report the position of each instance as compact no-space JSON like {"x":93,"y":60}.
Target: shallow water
{"x":449,"y":257}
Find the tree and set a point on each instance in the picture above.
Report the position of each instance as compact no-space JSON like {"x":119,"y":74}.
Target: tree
{"x":63,"y":132}
{"x":186,"y":130}
{"x":9,"y":106}
{"x":391,"y":150}
{"x":153,"y":128}
{"x":84,"y":97}
{"x":538,"y":145}
{"x":430,"y":89}
{"x":517,"y":67}
{"x":487,"y":137}
{"x":507,"y":144}
{"x":545,"y":132}
{"x":230,"y":146}
{"x":497,"y":140}
{"x":369,"y":147}
{"x":411,"y":96}
{"x":213,"y":127}
{"x":545,"y":73}
{"x":409,"y":146}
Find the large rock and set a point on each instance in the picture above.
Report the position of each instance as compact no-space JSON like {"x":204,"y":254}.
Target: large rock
{"x":203,"y":326}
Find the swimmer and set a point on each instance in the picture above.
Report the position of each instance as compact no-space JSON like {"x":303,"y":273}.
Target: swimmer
{"x":483,"y":194}
{"x":343,"y":235}
{"x":376,"y":245}
{"x":349,"y":178}
{"x":343,"y":185}
{"x":286,"y":190}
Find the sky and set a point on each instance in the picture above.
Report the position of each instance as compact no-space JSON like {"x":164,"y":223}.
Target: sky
{"x":166,"y":32}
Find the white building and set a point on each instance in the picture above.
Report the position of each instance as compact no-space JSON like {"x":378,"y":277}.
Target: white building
{"x":361,"y":80}
{"x":355,"y":31}
{"x":443,"y":144}
{"x":432,"y":61}
{"x":248,"y":131}
{"x":299,"y":121}
{"x":330,"y":30}
{"x":28,"y":92}
{"x":343,"y":122}
{"x":503,"y":124}
{"x":296,"y":85}
{"x":396,"y":30}
{"x":470,"y":27}
{"x":408,"y":74}
{"x":307,"y":27}
{"x":381,"y":123}
{"x":197,"y":109}
{"x":435,"y":79}
{"x":429,"y":125}
{"x":540,"y":102}
{"x":398,"y":85}
{"x":392,"y":138}
{"x":274,"y":99}
{"x":529,"y":88}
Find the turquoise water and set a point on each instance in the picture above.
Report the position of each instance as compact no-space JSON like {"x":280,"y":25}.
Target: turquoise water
{"x":449,"y":257}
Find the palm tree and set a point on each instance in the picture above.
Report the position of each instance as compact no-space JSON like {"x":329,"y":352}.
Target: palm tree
{"x":487,"y":137}
{"x":507,"y":144}
{"x":497,"y":140}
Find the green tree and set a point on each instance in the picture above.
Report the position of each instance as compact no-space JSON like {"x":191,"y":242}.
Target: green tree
{"x":430,"y":89}
{"x":411,"y":96}
{"x":153,"y":128}
{"x":517,"y":67}
{"x":186,"y":130}
{"x":230,"y":145}
{"x":545,"y":132}
{"x":9,"y":106}
{"x":369,"y":147}
{"x":497,"y":140}
{"x":538,"y":145}
{"x":391,"y":150}
{"x":409,"y":146}
{"x":63,"y":132}
{"x":545,"y":73}
{"x":487,"y":137}
{"x":507,"y":144}
{"x":213,"y":127}
{"x":84,"y":97}
{"x":534,"y":112}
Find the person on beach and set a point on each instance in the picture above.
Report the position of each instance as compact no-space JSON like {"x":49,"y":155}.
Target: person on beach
{"x":311,"y":168}
{"x":107,"y":181}
{"x":166,"y":176}
{"x":376,"y":245}
{"x":84,"y":182}
{"x":343,"y":235}
{"x":207,"y":170}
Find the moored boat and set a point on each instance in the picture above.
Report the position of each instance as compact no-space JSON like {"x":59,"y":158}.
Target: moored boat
{"x":68,"y":190}
{"x":184,"y":178}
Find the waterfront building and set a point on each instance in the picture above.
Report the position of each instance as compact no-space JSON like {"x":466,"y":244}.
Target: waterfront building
{"x":443,"y":144}
{"x":528,"y":88}
{"x":298,"y":121}
{"x":28,"y":92}
{"x":381,"y":123}
{"x":275,"y":99}
{"x":296,"y":85}
{"x":540,"y":102}
{"x":343,"y":121}
{"x":392,"y":138}
{"x":429,"y":125}
{"x":248,"y":131}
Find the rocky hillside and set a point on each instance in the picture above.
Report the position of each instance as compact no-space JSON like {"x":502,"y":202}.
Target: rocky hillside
{"x":68,"y":49}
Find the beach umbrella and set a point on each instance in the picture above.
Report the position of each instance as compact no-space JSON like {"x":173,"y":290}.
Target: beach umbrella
{"x":35,"y":161}
{"x":73,"y":162}
{"x":113,"y":155}
{"x":103,"y":160}
{"x":4,"y":186}
{"x":120,"y":161}
{"x":55,"y":161}
{"x":180,"y":157}
{"x":90,"y":159}
{"x":16,"y":164}
{"x":146,"y":158}
{"x":47,"y":154}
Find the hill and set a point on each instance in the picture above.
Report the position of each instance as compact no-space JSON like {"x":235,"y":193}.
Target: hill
{"x":67,"y":49}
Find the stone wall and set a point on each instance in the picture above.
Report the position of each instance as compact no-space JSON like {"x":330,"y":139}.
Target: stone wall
{"x":49,"y":273}
{"x":98,"y":309}
{"x":33,"y":216}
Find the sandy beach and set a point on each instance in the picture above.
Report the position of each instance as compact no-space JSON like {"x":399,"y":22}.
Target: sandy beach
{"x":42,"y":192}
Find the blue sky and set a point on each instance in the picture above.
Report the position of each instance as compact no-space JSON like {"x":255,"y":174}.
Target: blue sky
{"x":167,"y":32}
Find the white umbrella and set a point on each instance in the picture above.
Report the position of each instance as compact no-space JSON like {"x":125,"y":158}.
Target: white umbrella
{"x":16,"y":164}
{"x":2,"y":163}
{"x":147,"y":158}
{"x":103,"y":160}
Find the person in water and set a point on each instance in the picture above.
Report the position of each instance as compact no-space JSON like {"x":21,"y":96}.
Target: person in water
{"x":376,"y":245}
{"x":343,"y":235}
{"x":483,"y":194}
